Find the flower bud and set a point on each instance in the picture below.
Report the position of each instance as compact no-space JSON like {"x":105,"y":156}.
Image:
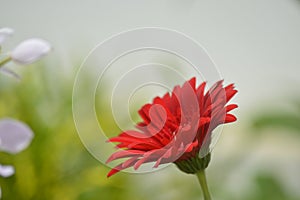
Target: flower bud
{"x":5,"y":33}
{"x":30,"y":51}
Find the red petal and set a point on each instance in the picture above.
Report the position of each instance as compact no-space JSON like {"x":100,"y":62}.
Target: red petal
{"x":230,"y":118}
{"x":144,"y":113}
{"x":231,"y":107}
{"x":204,"y":120}
{"x":112,"y":172}
{"x":123,"y":154}
{"x":230,"y":91}
{"x":192,"y":82}
{"x":149,"y":157}
{"x":128,"y":163}
{"x":200,"y":95}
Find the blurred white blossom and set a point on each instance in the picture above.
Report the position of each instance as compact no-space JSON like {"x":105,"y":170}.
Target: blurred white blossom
{"x":15,"y":136}
{"x":6,"y":170}
{"x":30,"y":51}
{"x":5,"y":33}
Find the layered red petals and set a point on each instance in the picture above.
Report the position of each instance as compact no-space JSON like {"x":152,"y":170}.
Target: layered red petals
{"x":175,"y":126}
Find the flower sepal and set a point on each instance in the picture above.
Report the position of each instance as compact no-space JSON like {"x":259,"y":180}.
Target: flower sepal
{"x":194,"y":164}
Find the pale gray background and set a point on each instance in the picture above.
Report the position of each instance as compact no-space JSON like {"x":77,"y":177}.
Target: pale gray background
{"x":254,"y":43}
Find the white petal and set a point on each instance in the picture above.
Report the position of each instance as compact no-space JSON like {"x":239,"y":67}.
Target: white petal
{"x":6,"y":170}
{"x":15,"y":136}
{"x":30,"y":51}
{"x":5,"y":33}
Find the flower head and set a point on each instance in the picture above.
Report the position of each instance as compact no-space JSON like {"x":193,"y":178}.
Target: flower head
{"x":30,"y":51}
{"x":176,"y":127}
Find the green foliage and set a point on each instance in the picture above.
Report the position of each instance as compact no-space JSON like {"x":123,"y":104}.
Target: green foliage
{"x":283,"y":120}
{"x":268,"y":187}
{"x":56,"y":164}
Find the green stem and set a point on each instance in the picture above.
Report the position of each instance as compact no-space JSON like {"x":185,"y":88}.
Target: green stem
{"x":4,"y":61}
{"x":203,"y":183}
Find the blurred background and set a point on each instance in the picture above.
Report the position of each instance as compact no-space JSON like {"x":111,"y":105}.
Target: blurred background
{"x":255,"y":44}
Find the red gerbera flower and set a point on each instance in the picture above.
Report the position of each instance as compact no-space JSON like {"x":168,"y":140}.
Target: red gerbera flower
{"x":176,"y":127}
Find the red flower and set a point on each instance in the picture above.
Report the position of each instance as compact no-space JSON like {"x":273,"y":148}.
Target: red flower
{"x":176,"y":127}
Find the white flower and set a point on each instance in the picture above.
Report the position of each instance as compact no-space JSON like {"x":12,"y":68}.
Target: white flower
{"x":5,"y":33}
{"x":30,"y":51}
{"x":15,"y":136}
{"x":6,"y":170}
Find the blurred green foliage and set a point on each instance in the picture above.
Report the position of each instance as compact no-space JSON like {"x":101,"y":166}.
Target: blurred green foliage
{"x":267,"y":187}
{"x":284,"y":119}
{"x":56,"y":164}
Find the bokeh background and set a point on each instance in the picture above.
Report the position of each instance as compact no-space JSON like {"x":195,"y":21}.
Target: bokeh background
{"x":255,"y":45}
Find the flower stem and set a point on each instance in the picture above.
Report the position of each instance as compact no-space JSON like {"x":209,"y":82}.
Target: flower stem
{"x":203,"y":183}
{"x":4,"y":61}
